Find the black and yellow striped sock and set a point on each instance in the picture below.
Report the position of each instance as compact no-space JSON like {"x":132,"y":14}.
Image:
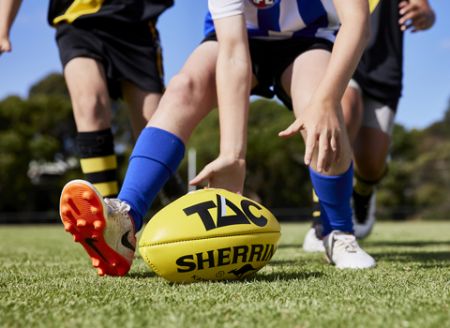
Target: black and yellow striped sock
{"x":316,"y":223}
{"x":366,"y":187}
{"x":316,"y":207}
{"x":98,"y":161}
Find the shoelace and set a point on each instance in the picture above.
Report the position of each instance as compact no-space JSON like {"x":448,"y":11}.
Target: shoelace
{"x":348,"y":242}
{"x":117,"y":206}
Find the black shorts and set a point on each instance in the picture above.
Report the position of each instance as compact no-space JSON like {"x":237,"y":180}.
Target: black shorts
{"x":271,"y":58}
{"x":127,"y":51}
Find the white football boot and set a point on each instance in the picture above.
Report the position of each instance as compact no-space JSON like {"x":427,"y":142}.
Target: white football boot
{"x":103,"y":227}
{"x":363,"y":214}
{"x":312,"y":243}
{"x":343,"y":251}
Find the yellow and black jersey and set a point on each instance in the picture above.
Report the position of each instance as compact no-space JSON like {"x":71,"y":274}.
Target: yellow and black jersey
{"x":129,"y":11}
{"x":380,"y":70}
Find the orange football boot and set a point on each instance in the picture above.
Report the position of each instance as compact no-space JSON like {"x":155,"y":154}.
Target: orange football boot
{"x":103,"y":227}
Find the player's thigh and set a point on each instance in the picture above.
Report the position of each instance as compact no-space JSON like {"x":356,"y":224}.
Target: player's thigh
{"x":190,"y":95}
{"x":86,"y":81}
{"x":301,"y":79}
{"x":141,"y":104}
{"x":352,"y":108}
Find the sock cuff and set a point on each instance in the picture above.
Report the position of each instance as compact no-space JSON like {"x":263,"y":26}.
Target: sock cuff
{"x":95,"y":143}
{"x":372,"y":182}
{"x":331,"y":177}
{"x":171,"y":150}
{"x":324,"y":183}
{"x":89,"y":134}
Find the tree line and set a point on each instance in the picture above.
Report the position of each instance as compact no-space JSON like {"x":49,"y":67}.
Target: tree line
{"x":38,"y":156}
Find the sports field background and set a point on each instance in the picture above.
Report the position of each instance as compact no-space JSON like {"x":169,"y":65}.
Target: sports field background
{"x":46,"y":280}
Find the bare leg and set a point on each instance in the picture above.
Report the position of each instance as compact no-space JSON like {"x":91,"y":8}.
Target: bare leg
{"x":300,"y":80}
{"x":370,"y":152}
{"x":352,"y":107}
{"x":86,"y":81}
{"x":370,"y":145}
{"x":190,"y":95}
{"x":141,"y":105}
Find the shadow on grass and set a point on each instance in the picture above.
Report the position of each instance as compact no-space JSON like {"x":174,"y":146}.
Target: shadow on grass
{"x":434,"y":266}
{"x":299,"y":246}
{"x":427,"y":259}
{"x":141,"y":275}
{"x":282,"y":262}
{"x":285,"y":276}
{"x":413,"y":243}
{"x":273,"y":276}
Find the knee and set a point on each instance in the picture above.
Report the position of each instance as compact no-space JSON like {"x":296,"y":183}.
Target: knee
{"x":181,"y":88}
{"x":89,"y":106}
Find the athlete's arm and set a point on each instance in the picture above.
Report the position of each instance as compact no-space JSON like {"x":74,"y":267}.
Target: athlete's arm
{"x":8,"y":12}
{"x":233,"y":78}
{"x":323,"y":117}
{"x":416,"y":15}
{"x":347,"y":50}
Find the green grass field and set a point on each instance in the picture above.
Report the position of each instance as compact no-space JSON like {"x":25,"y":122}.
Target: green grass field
{"x":46,"y":280}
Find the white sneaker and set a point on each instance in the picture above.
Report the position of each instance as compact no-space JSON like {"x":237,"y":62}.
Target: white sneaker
{"x":104,"y":228}
{"x":363,"y":214}
{"x":343,"y":251}
{"x":311,"y":243}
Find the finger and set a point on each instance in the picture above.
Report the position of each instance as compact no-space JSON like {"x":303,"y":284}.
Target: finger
{"x":5,"y":46}
{"x":336,"y":146}
{"x":228,"y":185}
{"x":310,"y":145}
{"x":203,"y":177}
{"x":406,"y":8}
{"x":409,"y":17}
{"x":292,"y":129}
{"x":406,"y":26}
{"x":403,"y":4}
{"x":324,"y":152}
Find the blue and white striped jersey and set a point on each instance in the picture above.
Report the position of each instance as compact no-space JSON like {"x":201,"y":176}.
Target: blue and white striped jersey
{"x":285,"y":19}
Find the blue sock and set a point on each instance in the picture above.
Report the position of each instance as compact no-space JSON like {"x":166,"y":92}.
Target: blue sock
{"x":334,"y":194}
{"x":324,"y":220}
{"x":155,"y":158}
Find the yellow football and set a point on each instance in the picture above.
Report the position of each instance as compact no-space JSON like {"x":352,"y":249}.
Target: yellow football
{"x":210,"y":234}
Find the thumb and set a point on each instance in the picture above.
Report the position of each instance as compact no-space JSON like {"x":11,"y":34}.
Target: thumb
{"x":292,"y":129}
{"x":203,"y":177}
{"x":5,"y":46}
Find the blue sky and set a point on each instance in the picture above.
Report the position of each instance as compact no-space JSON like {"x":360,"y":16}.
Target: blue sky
{"x":427,"y":56}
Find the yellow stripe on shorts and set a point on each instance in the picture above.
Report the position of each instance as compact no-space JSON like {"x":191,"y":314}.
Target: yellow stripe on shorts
{"x":79,"y":8}
{"x":373,"y":4}
{"x":98,"y":164}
